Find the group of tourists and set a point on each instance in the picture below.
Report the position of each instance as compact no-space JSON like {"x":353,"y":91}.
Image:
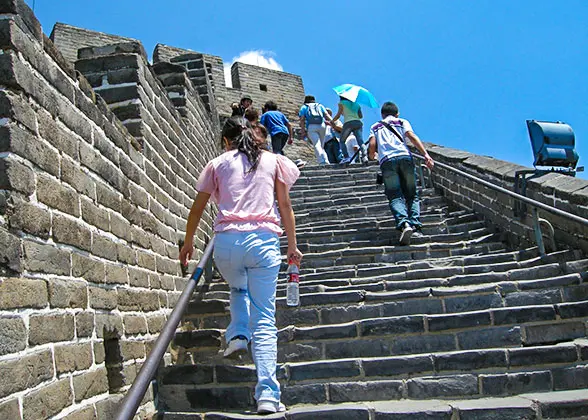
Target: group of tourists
{"x":326,"y":133}
{"x":251,"y":185}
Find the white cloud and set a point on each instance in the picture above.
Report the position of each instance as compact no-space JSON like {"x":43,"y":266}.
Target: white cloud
{"x":257,"y":58}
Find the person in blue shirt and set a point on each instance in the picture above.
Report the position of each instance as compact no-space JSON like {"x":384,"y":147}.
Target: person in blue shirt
{"x":277,"y":125}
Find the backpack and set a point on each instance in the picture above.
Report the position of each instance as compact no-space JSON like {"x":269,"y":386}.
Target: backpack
{"x":313,"y":113}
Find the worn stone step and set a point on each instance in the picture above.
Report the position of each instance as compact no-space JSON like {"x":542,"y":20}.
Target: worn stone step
{"x":390,"y":238}
{"x":547,"y":405}
{"x":446,"y":279}
{"x":396,"y":277}
{"x":313,"y":196}
{"x":400,"y":254}
{"x":430,"y":269}
{"x":363,"y":211}
{"x":474,"y":374}
{"x":370,"y":199}
{"x":476,"y":260}
{"x":383,"y":335}
{"x":480,"y":361}
{"x":384,"y":220}
{"x":427,"y":300}
{"x":337,"y":235}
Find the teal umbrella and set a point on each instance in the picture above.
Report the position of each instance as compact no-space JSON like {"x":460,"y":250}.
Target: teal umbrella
{"x":357,"y":94}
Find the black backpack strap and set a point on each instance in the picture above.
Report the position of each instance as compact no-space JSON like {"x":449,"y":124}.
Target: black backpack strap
{"x":392,"y":129}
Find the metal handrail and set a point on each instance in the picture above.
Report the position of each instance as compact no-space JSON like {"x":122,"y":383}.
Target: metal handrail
{"x":536,"y":204}
{"x":133,"y":399}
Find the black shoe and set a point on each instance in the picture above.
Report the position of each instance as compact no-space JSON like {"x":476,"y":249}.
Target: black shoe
{"x":406,"y":234}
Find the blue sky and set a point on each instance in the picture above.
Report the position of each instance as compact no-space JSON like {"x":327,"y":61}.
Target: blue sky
{"x":467,"y":74}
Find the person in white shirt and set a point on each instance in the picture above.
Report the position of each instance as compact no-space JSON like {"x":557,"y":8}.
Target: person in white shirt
{"x":352,"y":148}
{"x":388,"y":138}
{"x":313,"y":117}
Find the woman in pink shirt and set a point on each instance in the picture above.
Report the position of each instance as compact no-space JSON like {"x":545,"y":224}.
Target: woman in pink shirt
{"x":245,"y":182}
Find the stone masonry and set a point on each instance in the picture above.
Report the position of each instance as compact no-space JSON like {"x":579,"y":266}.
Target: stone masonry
{"x":98,"y":164}
{"x":99,"y":155}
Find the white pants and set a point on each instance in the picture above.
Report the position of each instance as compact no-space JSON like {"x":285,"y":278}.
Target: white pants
{"x":316,"y":133}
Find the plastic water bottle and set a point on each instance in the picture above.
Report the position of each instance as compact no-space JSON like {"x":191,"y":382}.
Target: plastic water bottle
{"x":293,"y":287}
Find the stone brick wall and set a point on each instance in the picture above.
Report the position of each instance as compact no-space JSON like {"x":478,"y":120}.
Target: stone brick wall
{"x":97,"y":176}
{"x":286,"y":89}
{"x":561,"y":191}
{"x":69,"y":39}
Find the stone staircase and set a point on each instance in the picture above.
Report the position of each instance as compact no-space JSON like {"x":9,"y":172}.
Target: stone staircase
{"x":455,"y":326}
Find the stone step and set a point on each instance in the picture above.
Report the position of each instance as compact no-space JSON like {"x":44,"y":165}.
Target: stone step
{"x":410,"y":271}
{"x":429,"y":230}
{"x":465,"y":374}
{"x":475,"y":260}
{"x":383,"y":335}
{"x":514,"y":300}
{"x":384,"y":220}
{"x":363,"y":211}
{"x":400,"y":254}
{"x":571,"y":404}
{"x":392,"y":277}
{"x":358,"y":201}
{"x":311,"y":196}
{"x":308,"y":192}
{"x":391,"y":239}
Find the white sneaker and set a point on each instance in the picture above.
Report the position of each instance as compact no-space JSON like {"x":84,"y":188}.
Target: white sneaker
{"x":300,"y":163}
{"x":345,"y":161}
{"x":407,"y":232}
{"x":270,"y":407}
{"x":237,"y":347}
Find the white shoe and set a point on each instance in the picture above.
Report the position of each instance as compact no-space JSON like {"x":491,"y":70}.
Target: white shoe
{"x":300,"y":163}
{"x":270,"y":407}
{"x":237,"y":347}
{"x":407,"y":232}
{"x":345,"y":161}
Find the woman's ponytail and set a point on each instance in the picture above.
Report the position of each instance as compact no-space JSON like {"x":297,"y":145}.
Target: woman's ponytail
{"x":241,"y":136}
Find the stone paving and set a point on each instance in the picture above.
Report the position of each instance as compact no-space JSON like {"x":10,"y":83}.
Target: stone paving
{"x":458,"y":325}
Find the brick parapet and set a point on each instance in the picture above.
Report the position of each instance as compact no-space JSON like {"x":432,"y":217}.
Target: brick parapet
{"x":69,"y":39}
{"x":561,"y":191}
{"x":286,"y":89}
{"x":89,"y":222}
{"x":200,"y":74}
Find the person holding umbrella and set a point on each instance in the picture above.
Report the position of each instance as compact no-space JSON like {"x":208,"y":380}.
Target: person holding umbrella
{"x":350,"y":98}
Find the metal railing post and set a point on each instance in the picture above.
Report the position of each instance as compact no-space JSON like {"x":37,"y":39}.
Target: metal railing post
{"x":132,"y":400}
{"x":538,"y":234}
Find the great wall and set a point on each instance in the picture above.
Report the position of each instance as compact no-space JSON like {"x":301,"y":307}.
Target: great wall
{"x":99,"y":153}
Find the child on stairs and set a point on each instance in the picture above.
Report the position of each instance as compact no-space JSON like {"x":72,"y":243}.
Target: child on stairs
{"x":245,"y":182}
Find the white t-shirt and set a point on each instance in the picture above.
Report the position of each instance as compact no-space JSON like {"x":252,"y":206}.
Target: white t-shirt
{"x":352,"y":146}
{"x":389,"y":145}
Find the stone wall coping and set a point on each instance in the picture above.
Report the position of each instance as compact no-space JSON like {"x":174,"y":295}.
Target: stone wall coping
{"x":238,"y":64}
{"x":59,"y":25}
{"x":561,"y":186}
{"x":133,"y":47}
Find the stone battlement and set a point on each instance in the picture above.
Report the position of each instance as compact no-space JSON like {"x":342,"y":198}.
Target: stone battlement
{"x":260,"y":83}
